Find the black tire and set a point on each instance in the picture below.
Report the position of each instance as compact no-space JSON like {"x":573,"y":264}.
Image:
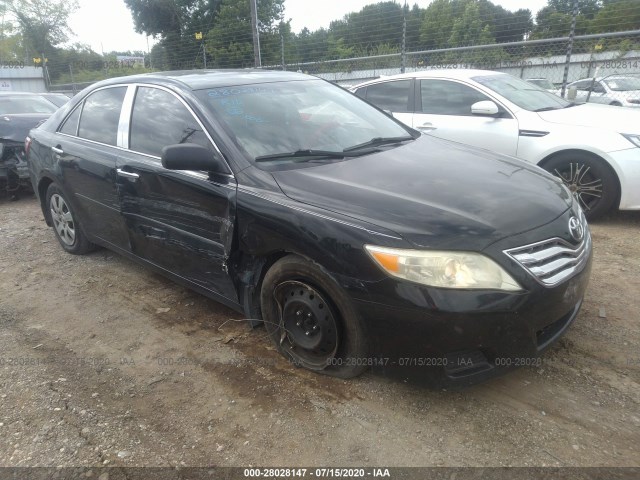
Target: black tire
{"x":65,"y":224}
{"x":320,"y":329}
{"x":615,"y":104}
{"x":590,"y":179}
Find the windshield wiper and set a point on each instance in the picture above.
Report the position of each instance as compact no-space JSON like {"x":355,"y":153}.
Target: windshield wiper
{"x":546,"y":109}
{"x":378,"y":141}
{"x":309,"y":154}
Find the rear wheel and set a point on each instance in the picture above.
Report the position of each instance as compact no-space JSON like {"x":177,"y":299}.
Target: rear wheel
{"x":311,"y":320}
{"x":65,"y":224}
{"x":591,"y":181}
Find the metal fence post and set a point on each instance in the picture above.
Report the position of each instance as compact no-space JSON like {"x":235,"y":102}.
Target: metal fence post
{"x":572,"y":33}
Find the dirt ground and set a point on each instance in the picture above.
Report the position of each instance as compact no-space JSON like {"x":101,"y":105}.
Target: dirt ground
{"x":105,"y":363}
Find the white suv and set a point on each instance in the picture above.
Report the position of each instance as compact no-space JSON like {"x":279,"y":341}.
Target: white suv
{"x":595,"y":149}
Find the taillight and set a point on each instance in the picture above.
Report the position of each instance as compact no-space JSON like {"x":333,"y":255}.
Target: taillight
{"x":27,"y":144}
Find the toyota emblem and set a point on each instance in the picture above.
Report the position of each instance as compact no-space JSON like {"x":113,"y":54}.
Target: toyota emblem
{"x":576,"y":229}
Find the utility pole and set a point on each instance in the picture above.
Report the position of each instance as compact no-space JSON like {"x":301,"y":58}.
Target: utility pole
{"x":256,"y":35}
{"x":282,"y":44}
{"x":403,"y":56}
{"x":569,"y":47}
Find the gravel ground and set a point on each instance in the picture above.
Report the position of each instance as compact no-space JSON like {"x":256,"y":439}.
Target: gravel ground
{"x":104,"y":363}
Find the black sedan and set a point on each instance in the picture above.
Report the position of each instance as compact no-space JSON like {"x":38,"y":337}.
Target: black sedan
{"x":19,"y":113}
{"x":357,"y":241}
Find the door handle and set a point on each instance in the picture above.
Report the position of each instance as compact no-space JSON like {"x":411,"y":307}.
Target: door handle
{"x":124,"y":173}
{"x":57,"y":150}
{"x":426,"y":127}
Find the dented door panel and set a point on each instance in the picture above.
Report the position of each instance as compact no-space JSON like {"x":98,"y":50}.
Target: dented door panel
{"x":182,"y":222}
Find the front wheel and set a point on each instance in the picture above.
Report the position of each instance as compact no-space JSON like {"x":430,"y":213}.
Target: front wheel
{"x":65,"y":224}
{"x":591,"y":181}
{"x":311,"y":320}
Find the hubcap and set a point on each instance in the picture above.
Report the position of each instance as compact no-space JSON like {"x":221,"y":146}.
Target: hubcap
{"x":63,"y":220}
{"x":309,"y":331}
{"x":583,"y":184}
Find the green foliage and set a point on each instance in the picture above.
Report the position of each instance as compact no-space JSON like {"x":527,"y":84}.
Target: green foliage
{"x":230,"y":41}
{"x":42,"y":23}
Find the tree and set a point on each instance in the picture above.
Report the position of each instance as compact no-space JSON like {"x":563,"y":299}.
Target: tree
{"x":230,"y":41}
{"x":42,"y":23}
{"x":617,"y":16}
{"x":175,"y":23}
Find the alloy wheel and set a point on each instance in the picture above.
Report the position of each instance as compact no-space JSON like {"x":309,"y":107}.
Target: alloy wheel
{"x":62,"y":220}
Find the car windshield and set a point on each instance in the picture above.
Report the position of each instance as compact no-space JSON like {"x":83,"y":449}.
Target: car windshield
{"x":522,"y":93}
{"x":294,"y":121}
{"x":623,"y":84}
{"x":24,"y":104}
{"x":542,"y":83}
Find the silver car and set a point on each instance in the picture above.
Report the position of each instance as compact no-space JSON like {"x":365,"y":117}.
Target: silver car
{"x":617,"y":90}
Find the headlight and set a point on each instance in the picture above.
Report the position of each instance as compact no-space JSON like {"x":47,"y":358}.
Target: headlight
{"x":462,"y":270}
{"x":635,"y":139}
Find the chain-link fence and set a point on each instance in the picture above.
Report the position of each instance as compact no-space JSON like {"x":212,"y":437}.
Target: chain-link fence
{"x":556,"y":49}
{"x":605,"y":65}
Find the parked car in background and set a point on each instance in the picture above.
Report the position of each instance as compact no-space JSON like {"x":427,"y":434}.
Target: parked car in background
{"x":19,"y":113}
{"x":615,"y":90}
{"x":594,"y":149}
{"x":358,"y":241}
{"x":58,"y":99}
{"x":545,"y":84}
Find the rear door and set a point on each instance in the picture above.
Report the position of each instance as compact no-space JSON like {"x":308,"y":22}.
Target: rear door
{"x":86,"y":152}
{"x":395,"y":96}
{"x":444,"y":110}
{"x":180,"y":221}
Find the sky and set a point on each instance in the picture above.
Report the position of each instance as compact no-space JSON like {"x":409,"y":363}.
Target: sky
{"x":107,"y":26}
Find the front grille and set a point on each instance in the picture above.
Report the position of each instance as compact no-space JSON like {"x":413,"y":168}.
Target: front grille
{"x":553,"y":261}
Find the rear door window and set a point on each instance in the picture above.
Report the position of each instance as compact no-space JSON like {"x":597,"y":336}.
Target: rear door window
{"x":392,"y":96}
{"x":101,"y":115}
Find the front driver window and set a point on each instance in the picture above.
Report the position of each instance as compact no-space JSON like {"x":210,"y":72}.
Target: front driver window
{"x":160,"y":119}
{"x":443,"y":97}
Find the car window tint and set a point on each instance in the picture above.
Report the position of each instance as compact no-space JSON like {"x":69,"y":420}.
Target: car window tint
{"x":442,"y":97}
{"x":100,"y":115}
{"x":583,"y":85}
{"x":393,"y":96}
{"x":598,"y":88}
{"x":361,"y":92}
{"x":70,"y":126}
{"x":160,"y":119}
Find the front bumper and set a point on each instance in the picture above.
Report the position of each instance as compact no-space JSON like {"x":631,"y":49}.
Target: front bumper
{"x":462,"y":337}
{"x":627,"y":166}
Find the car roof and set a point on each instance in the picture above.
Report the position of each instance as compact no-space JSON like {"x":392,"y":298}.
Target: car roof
{"x":452,"y":73}
{"x":202,"y":79}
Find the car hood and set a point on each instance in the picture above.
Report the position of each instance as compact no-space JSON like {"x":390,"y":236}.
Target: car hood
{"x":16,"y":126}
{"x":597,"y":116}
{"x":434,"y":193}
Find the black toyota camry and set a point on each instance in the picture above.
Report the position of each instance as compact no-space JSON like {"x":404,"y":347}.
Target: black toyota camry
{"x":356,"y":240}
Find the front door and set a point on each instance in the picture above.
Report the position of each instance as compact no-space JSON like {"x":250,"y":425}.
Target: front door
{"x":444,"y":110}
{"x":180,"y":221}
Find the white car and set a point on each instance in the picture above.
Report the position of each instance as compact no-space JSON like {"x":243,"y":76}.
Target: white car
{"x":594,"y":149}
{"x":545,"y":84}
{"x":616,"y":90}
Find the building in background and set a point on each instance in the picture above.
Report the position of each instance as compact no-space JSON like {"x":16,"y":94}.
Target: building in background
{"x":22,"y":78}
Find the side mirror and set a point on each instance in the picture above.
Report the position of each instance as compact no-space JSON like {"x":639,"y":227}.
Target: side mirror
{"x":189,"y":156}
{"x":572,"y":93}
{"x":486,"y":107}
